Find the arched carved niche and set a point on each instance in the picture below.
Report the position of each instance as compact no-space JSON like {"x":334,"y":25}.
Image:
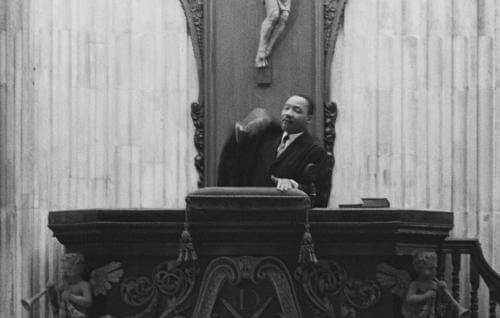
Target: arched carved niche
{"x":201,"y":18}
{"x":226,"y":271}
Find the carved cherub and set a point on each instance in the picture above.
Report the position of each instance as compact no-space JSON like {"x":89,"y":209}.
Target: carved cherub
{"x":420,"y":299}
{"x":73,"y":297}
{"x":421,"y":296}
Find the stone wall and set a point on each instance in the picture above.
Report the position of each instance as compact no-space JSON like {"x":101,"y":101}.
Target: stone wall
{"x":95,"y":104}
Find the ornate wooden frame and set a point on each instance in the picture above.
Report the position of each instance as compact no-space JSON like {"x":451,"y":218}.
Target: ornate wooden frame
{"x":332,"y":14}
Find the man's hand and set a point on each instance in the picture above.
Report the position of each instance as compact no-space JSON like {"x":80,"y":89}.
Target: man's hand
{"x":284,"y":184}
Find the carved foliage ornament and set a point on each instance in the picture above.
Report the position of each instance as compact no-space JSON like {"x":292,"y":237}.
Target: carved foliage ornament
{"x":333,"y":15}
{"x":330,"y":116}
{"x":333,"y":19}
{"x":327,"y":281}
{"x":198,"y":116}
{"x":170,"y":283}
{"x":102,"y":278}
{"x":193,"y":10}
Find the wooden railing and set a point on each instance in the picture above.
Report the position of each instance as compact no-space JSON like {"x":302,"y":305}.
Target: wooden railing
{"x":479,"y":269}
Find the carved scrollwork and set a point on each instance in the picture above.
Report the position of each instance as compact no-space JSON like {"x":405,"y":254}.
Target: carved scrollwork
{"x":170,"y":282}
{"x":329,"y":9}
{"x":323,"y":279}
{"x":196,"y":10}
{"x":333,"y":15}
{"x":198,"y":116}
{"x":193,"y":10}
{"x":362,"y":294}
{"x":136,"y":291}
{"x":174,"y":280}
{"x":327,"y":282}
{"x":330,"y":117}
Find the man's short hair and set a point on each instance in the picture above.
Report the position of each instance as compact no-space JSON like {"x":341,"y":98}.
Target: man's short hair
{"x":310,"y":104}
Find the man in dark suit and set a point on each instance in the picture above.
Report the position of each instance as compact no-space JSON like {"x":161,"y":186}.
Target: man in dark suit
{"x":263,"y":153}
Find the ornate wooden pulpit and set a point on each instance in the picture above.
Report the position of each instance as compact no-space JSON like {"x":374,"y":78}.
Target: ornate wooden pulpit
{"x":250,"y":255}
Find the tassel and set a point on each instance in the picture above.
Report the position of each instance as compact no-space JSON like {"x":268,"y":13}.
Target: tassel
{"x":187,"y":252}
{"x":306,"y":253}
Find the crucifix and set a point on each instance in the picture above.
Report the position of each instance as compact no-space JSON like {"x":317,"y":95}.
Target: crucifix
{"x":277,"y":12}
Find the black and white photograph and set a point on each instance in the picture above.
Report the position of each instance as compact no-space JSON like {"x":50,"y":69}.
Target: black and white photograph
{"x":249,"y":158}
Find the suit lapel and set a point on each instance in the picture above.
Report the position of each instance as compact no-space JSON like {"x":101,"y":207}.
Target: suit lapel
{"x":296,"y":144}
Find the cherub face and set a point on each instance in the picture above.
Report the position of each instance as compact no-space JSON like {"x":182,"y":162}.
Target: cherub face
{"x":71,"y":270}
{"x":425,"y":263}
{"x":428,"y":272}
{"x":72,"y":265}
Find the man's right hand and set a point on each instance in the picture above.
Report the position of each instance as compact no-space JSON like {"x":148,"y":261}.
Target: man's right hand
{"x":284,"y":184}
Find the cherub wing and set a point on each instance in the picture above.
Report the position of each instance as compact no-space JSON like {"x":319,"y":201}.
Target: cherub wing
{"x":396,"y":279}
{"x":102,"y":277}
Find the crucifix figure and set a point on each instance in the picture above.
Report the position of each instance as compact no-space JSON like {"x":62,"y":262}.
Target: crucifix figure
{"x":277,"y":12}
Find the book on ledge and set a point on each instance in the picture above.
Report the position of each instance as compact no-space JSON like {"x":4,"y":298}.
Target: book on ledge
{"x":375,"y":203}
{"x":367,"y":203}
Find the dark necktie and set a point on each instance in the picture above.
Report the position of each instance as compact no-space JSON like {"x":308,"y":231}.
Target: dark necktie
{"x":283,"y":144}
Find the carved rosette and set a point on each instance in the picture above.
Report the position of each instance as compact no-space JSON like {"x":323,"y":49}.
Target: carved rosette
{"x":327,"y":282}
{"x":170,"y":285}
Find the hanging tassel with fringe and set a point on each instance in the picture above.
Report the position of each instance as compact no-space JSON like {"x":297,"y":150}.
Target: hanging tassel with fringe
{"x":307,"y":255}
{"x":187,"y":252}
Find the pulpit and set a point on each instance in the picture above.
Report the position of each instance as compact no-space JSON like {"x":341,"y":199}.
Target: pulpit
{"x":244,"y":261}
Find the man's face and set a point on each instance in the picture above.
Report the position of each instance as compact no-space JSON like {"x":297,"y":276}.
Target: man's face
{"x":294,"y":115}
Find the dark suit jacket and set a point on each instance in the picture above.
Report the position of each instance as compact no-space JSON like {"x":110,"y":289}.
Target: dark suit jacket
{"x":251,"y":162}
